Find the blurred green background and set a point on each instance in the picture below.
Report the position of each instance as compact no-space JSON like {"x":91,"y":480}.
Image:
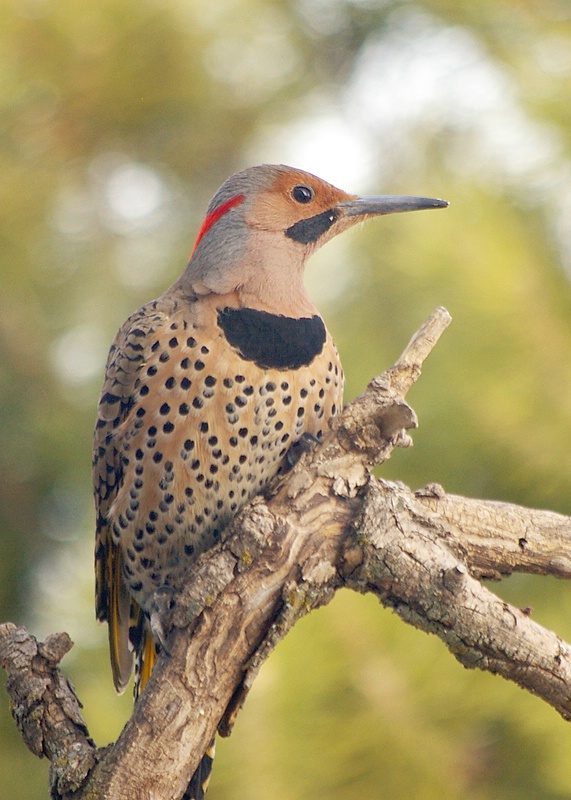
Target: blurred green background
{"x":118,"y":120}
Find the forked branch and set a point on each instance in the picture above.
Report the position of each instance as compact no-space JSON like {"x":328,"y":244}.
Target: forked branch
{"x":326,"y":525}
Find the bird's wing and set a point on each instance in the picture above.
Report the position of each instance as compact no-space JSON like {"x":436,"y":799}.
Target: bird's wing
{"x":126,"y":358}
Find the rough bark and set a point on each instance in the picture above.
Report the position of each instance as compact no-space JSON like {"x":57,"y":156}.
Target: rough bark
{"x":326,"y":525}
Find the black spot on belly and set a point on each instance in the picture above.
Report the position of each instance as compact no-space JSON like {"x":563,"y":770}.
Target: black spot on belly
{"x":271,"y":340}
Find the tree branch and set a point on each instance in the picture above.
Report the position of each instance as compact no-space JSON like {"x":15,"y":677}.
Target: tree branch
{"x":496,"y":539}
{"x":418,"y":574}
{"x":45,"y":706}
{"x":326,"y":525}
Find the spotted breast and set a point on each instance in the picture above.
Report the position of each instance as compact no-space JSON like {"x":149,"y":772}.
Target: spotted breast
{"x":196,"y":416}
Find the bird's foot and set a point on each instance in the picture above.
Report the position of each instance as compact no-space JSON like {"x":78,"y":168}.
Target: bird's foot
{"x":163,"y":601}
{"x":305,"y":444}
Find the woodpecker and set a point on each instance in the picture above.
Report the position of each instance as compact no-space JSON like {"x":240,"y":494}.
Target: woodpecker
{"x":207,"y":389}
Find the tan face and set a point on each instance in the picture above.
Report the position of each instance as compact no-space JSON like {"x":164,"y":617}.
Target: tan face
{"x":293,"y":196}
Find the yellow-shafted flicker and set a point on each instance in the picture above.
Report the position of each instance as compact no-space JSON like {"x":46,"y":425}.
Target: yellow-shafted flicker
{"x":208,"y":388}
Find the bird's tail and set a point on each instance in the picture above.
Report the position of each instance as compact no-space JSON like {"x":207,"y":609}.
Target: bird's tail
{"x":198,"y":785}
{"x":146,"y":652}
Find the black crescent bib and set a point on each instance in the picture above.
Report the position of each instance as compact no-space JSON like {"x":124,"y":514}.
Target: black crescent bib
{"x":273,"y":341}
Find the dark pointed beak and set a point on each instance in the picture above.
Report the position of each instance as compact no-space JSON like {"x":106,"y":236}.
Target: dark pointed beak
{"x":387,"y":204}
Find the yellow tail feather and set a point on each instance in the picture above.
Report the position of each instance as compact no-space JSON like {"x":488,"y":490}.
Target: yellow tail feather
{"x":145,"y":662}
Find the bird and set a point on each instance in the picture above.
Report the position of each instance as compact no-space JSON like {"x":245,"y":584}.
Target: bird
{"x":208,"y":390}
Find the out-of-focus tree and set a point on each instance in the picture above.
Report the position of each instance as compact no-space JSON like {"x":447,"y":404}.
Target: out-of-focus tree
{"x":118,"y":120}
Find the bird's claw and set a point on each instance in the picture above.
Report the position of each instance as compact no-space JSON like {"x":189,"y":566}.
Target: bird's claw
{"x":162,"y":603}
{"x":305,"y":444}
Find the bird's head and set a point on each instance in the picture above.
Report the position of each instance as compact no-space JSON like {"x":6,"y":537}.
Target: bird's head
{"x":262,"y":225}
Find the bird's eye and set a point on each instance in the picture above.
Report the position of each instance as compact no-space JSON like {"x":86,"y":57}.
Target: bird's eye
{"x":302,"y":194}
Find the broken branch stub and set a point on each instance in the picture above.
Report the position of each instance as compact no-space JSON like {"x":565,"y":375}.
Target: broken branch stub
{"x":374,"y":423}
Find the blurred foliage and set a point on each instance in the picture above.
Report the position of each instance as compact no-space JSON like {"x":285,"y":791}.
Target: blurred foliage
{"x":118,"y":120}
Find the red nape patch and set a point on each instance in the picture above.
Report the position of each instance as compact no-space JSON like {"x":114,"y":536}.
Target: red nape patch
{"x":215,"y":215}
